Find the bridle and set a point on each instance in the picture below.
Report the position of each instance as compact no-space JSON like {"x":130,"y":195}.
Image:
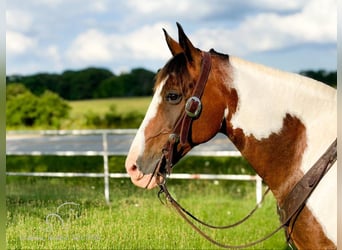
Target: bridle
{"x":293,"y":203}
{"x":179,"y":136}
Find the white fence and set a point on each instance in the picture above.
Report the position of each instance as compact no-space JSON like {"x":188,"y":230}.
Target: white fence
{"x":105,"y":153}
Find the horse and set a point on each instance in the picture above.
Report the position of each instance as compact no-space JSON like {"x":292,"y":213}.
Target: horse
{"x":281,"y":122}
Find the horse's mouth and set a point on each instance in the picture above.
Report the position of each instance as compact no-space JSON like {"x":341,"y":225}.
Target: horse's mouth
{"x":147,"y":181}
{"x":158,"y":175}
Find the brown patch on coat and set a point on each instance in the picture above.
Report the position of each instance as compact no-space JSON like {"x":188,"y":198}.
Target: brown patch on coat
{"x":308,"y":233}
{"x":277,"y":159}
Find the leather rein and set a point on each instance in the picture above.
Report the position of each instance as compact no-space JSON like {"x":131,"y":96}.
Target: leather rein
{"x":290,"y":208}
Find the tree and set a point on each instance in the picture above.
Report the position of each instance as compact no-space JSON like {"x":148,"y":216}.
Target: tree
{"x":77,"y":85}
{"x":138,"y":82}
{"x":51,"y":110}
{"x":111,"y":87}
{"x":94,"y":82}
{"x":329,"y":78}
{"x":14,"y":90}
{"x":23,"y":108}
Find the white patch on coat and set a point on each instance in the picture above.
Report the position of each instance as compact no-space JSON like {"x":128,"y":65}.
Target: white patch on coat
{"x":265,"y":96}
{"x":138,"y":145}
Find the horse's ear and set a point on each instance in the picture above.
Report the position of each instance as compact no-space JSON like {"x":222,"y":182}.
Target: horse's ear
{"x":174,"y":47}
{"x":192,"y":54}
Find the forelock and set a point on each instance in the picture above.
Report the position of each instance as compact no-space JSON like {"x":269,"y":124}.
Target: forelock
{"x":175,"y":69}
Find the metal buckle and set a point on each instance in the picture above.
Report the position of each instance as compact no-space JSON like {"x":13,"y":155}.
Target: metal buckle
{"x":193,"y":107}
{"x":173,"y":138}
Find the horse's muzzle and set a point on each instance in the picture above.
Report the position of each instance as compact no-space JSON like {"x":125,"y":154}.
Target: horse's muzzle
{"x":140,"y":179}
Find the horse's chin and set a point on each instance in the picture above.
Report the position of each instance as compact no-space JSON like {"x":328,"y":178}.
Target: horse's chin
{"x":147,"y":181}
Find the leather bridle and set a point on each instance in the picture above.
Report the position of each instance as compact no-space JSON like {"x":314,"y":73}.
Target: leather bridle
{"x":293,"y":203}
{"x":179,"y":136}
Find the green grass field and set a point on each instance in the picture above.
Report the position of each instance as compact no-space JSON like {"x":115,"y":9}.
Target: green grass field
{"x":101,"y":106}
{"x":136,"y":219}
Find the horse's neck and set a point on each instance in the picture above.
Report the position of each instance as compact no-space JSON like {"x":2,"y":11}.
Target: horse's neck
{"x":283,"y":121}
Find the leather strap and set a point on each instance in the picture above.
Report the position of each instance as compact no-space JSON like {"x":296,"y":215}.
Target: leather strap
{"x":195,"y":102}
{"x":291,"y":208}
{"x":180,"y":133}
{"x":297,"y":197}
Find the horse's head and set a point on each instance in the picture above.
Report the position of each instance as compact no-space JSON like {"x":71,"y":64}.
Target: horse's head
{"x":174,"y":87}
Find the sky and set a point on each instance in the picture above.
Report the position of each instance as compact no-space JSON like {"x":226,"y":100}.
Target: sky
{"x":56,"y":35}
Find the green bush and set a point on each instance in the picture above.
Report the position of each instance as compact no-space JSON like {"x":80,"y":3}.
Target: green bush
{"x":25,"y":109}
{"x":93,"y":120}
{"x":113,"y":119}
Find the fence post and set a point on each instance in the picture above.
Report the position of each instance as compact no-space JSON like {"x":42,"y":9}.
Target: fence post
{"x":258,"y":186}
{"x":105,"y":167}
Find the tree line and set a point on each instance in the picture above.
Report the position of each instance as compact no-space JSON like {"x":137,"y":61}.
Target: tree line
{"x":89,"y":83}
{"x":39,"y":100}
{"x":94,"y":83}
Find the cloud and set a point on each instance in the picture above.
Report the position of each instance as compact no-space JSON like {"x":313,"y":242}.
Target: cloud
{"x":94,"y":46}
{"x":53,"y":54}
{"x":91,"y":45}
{"x":271,"y":31}
{"x":168,"y":8}
{"x":99,"y":6}
{"x":201,"y":11}
{"x":59,"y":34}
{"x":18,"y":20}
{"x":17,"y":43}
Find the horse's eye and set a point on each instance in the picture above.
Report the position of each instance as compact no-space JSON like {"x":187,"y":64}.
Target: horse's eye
{"x":173,"y":97}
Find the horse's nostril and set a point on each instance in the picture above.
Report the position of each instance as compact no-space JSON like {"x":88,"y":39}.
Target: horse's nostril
{"x":133,"y":171}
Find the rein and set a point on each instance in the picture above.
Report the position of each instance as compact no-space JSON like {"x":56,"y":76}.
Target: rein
{"x":185,"y":214}
{"x":290,"y":208}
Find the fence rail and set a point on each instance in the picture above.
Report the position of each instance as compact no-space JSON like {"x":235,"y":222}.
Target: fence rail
{"x":105,"y":153}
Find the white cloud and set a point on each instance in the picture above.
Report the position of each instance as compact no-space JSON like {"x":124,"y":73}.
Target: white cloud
{"x":278,"y":5}
{"x":271,"y":31}
{"x":49,"y":3}
{"x":53,"y":55}
{"x":169,"y":9}
{"x":128,"y":33}
{"x":99,"y":6}
{"x":148,"y":42}
{"x":90,"y":46}
{"x":94,"y":46}
{"x":18,"y":20}
{"x":17,"y":43}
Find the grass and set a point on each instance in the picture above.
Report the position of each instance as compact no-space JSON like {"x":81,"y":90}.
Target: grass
{"x":80,"y":110}
{"x":135,"y":219}
{"x":101,"y":106}
{"x":94,"y":164}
